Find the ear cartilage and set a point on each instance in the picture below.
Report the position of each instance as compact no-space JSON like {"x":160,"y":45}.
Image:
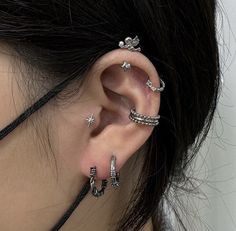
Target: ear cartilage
{"x":143,"y":119}
{"x":130,"y":44}
{"x":156,"y":89}
{"x":115,"y":176}
{"x":90,"y":120}
{"x":126,"y":66}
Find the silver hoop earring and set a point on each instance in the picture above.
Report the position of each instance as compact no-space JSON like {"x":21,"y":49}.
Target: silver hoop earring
{"x":115,"y":176}
{"x":156,"y":89}
{"x":95,"y":191}
{"x":126,"y":66}
{"x":130,"y":44}
{"x":143,"y":119}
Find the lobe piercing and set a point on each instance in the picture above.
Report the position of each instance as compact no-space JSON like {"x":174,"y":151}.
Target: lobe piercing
{"x":126,"y":66}
{"x":130,"y":44}
{"x":115,"y":182}
{"x":90,"y":120}
{"x":95,"y":191}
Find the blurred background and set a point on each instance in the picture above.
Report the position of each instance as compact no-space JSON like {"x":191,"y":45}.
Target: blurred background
{"x":215,"y":167}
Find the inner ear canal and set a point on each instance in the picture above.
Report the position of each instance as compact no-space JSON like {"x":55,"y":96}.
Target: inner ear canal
{"x":119,"y":116}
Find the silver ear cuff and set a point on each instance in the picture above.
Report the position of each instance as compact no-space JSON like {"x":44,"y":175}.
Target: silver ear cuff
{"x":156,"y":89}
{"x":96,"y":192}
{"x":143,"y":119}
{"x":115,"y":182}
{"x":130,"y":44}
{"x":126,"y":66}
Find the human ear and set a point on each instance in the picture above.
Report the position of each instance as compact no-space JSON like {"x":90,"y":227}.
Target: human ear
{"x":114,"y":92}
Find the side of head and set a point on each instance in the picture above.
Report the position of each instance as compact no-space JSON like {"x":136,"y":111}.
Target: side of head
{"x":79,"y":42}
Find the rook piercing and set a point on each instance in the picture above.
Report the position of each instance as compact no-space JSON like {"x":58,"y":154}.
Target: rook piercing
{"x":90,"y":120}
{"x":126,"y":66}
{"x":115,"y":181}
{"x":156,"y":89}
{"x":130,"y":44}
{"x":95,"y":191}
{"x":143,"y":119}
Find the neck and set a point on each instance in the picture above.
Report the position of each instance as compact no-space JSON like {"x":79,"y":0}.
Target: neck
{"x":35,"y":197}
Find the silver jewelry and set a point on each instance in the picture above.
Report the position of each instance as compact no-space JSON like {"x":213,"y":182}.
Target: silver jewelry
{"x":90,"y":120}
{"x":115,"y":182}
{"x":143,"y":119}
{"x":130,"y":44}
{"x":156,"y":89}
{"x":126,"y":66}
{"x":95,"y":191}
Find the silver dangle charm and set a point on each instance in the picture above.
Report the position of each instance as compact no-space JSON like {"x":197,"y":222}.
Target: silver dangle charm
{"x":130,"y":44}
{"x":115,"y":181}
{"x":126,"y":66}
{"x":143,"y":119}
{"x":95,"y":191}
{"x":156,"y":89}
{"x":90,"y":120}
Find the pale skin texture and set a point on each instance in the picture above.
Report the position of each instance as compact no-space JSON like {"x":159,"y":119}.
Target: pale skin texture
{"x":31,"y":196}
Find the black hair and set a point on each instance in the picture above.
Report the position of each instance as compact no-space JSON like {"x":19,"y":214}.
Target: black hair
{"x":63,"y":38}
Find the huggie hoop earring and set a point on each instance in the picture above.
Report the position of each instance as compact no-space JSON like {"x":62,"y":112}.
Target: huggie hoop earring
{"x":115,"y":176}
{"x":95,"y":191}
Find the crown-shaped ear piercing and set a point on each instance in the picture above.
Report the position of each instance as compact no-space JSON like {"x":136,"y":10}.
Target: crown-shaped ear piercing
{"x":130,"y":44}
{"x":126,"y":66}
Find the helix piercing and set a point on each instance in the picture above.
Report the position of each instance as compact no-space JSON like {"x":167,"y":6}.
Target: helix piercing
{"x":115,"y":176}
{"x":130,"y":44}
{"x":143,"y":119}
{"x":90,"y":120}
{"x":126,"y":66}
{"x":95,"y":191}
{"x":156,"y":89}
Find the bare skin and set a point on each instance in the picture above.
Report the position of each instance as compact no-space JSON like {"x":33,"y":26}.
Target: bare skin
{"x":33,"y":196}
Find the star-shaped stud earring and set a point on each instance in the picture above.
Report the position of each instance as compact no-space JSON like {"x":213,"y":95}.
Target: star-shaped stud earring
{"x":90,"y":120}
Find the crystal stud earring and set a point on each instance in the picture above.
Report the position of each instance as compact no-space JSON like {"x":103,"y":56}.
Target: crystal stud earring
{"x":90,"y":120}
{"x":126,"y":66}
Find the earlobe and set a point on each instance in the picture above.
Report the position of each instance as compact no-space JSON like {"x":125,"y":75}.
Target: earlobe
{"x":120,"y":79}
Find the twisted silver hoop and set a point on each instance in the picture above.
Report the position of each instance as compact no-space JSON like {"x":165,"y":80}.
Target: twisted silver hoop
{"x":115,"y":181}
{"x":130,"y":44}
{"x":156,"y":89}
{"x":95,"y":191}
{"x":143,"y":119}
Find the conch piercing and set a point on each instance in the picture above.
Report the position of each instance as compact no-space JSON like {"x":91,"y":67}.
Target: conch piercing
{"x":90,"y":120}
{"x":126,"y":66}
{"x":115,"y":182}
{"x":143,"y":119}
{"x":95,"y":191}
{"x":156,"y":89}
{"x":130,"y":44}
